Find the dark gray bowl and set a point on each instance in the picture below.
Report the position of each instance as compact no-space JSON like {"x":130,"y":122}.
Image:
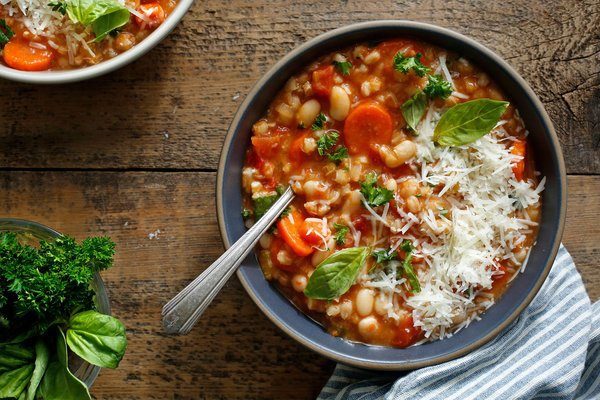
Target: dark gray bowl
{"x":549,"y":162}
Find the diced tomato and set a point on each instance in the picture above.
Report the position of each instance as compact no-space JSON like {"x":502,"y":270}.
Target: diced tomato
{"x":310,"y":230}
{"x":154,"y":13}
{"x":367,"y":125}
{"x":290,"y":230}
{"x":254,"y":160}
{"x":296,"y":152}
{"x":266,"y":146}
{"x":362,"y":225}
{"x":322,"y":80}
{"x":500,"y":280}
{"x":407,"y":333}
{"x":519,"y":149}
{"x":19,"y":55}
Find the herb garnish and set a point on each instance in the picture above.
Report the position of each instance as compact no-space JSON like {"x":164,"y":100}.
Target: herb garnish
{"x":407,"y":269}
{"x":340,"y":233}
{"x":437,"y":87}
{"x":326,"y":144}
{"x":466,"y":122}
{"x":262,"y":204}
{"x":343,"y":66}
{"x":383,"y":255}
{"x":336,"y":274}
{"x":374,"y":195}
{"x":319,"y":122}
{"x":58,"y":6}
{"x":47,"y":307}
{"x":405,"y":64}
{"x":413,"y":109}
{"x":5,"y":33}
{"x":246,"y":213}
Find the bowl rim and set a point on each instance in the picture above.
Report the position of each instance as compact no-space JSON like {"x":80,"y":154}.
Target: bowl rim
{"x":405,"y":25}
{"x":87,"y":372}
{"x":103,"y":67}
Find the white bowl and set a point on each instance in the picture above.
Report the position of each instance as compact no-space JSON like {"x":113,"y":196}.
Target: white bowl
{"x":104,"y":67}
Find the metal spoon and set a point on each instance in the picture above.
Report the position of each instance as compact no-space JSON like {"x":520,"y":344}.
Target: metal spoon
{"x":182,"y":312}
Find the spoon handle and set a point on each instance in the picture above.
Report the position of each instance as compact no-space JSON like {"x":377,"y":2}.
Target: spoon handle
{"x":181,"y":313}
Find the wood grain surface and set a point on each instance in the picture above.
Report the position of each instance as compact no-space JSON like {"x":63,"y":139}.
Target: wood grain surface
{"x":133,"y":155}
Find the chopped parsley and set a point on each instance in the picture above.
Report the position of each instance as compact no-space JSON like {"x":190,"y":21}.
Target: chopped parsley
{"x":405,"y":64}
{"x":373,"y":194}
{"x":262,"y":204}
{"x":340,"y":233}
{"x":383,"y":255}
{"x":319,"y":123}
{"x":246,"y":213}
{"x":5,"y":32}
{"x":58,"y":6}
{"x":326,"y":144}
{"x":437,"y":87}
{"x":343,"y":67}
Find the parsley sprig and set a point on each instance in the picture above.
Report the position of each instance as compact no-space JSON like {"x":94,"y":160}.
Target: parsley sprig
{"x":340,"y":233}
{"x":343,"y":67}
{"x":319,"y":123}
{"x":407,"y":268}
{"x":5,"y":33}
{"x":437,"y":87}
{"x":58,"y":6}
{"x":405,"y":64}
{"x":326,"y":147}
{"x":374,"y":195}
{"x":383,"y":255}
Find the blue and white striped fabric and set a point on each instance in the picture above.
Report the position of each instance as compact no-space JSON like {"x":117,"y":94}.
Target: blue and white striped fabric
{"x":552,"y":351}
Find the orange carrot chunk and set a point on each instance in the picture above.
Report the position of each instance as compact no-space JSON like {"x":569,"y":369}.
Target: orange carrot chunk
{"x":19,"y":55}
{"x":154,"y":13}
{"x":519,"y":149}
{"x":367,"y":125}
{"x":289,"y":228}
{"x":296,"y":151}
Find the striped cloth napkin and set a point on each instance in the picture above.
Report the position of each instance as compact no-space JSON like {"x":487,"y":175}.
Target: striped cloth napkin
{"x":552,"y":351}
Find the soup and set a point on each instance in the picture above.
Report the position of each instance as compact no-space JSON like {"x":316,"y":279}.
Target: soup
{"x":40,"y":35}
{"x":417,"y":199}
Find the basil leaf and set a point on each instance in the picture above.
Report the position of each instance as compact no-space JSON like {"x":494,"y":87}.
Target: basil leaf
{"x":413,"y":109}
{"x":42,"y":355}
{"x":466,"y":122}
{"x":14,"y":382}
{"x":58,"y":382}
{"x":97,"y":338}
{"x":334,"y":276}
{"x":109,"y":22}
{"x":13,"y":356}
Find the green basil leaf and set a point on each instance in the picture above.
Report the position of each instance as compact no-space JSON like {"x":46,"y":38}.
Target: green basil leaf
{"x":42,"y":356}
{"x":466,"y":122}
{"x":413,"y":109}
{"x":13,"y":356}
{"x":334,"y":276}
{"x":97,"y":338}
{"x":109,"y":22}
{"x":58,"y":382}
{"x":14,"y":382}
{"x":87,"y":12}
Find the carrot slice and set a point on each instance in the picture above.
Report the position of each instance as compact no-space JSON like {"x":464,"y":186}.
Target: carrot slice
{"x":154,"y":13}
{"x":368,"y":124}
{"x":519,"y":149}
{"x":19,"y":55}
{"x":322,"y":80}
{"x":289,"y":228}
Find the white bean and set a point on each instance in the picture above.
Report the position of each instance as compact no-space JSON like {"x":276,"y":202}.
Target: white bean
{"x":308,"y":112}
{"x":340,"y":103}
{"x":405,"y":150}
{"x":364,"y":302}
{"x":346,"y":309}
{"x":299,"y":282}
{"x":368,"y":327}
{"x":265,"y":240}
{"x":380,"y":305}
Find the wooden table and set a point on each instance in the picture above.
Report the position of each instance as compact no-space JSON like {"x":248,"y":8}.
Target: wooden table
{"x":133,"y":155}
